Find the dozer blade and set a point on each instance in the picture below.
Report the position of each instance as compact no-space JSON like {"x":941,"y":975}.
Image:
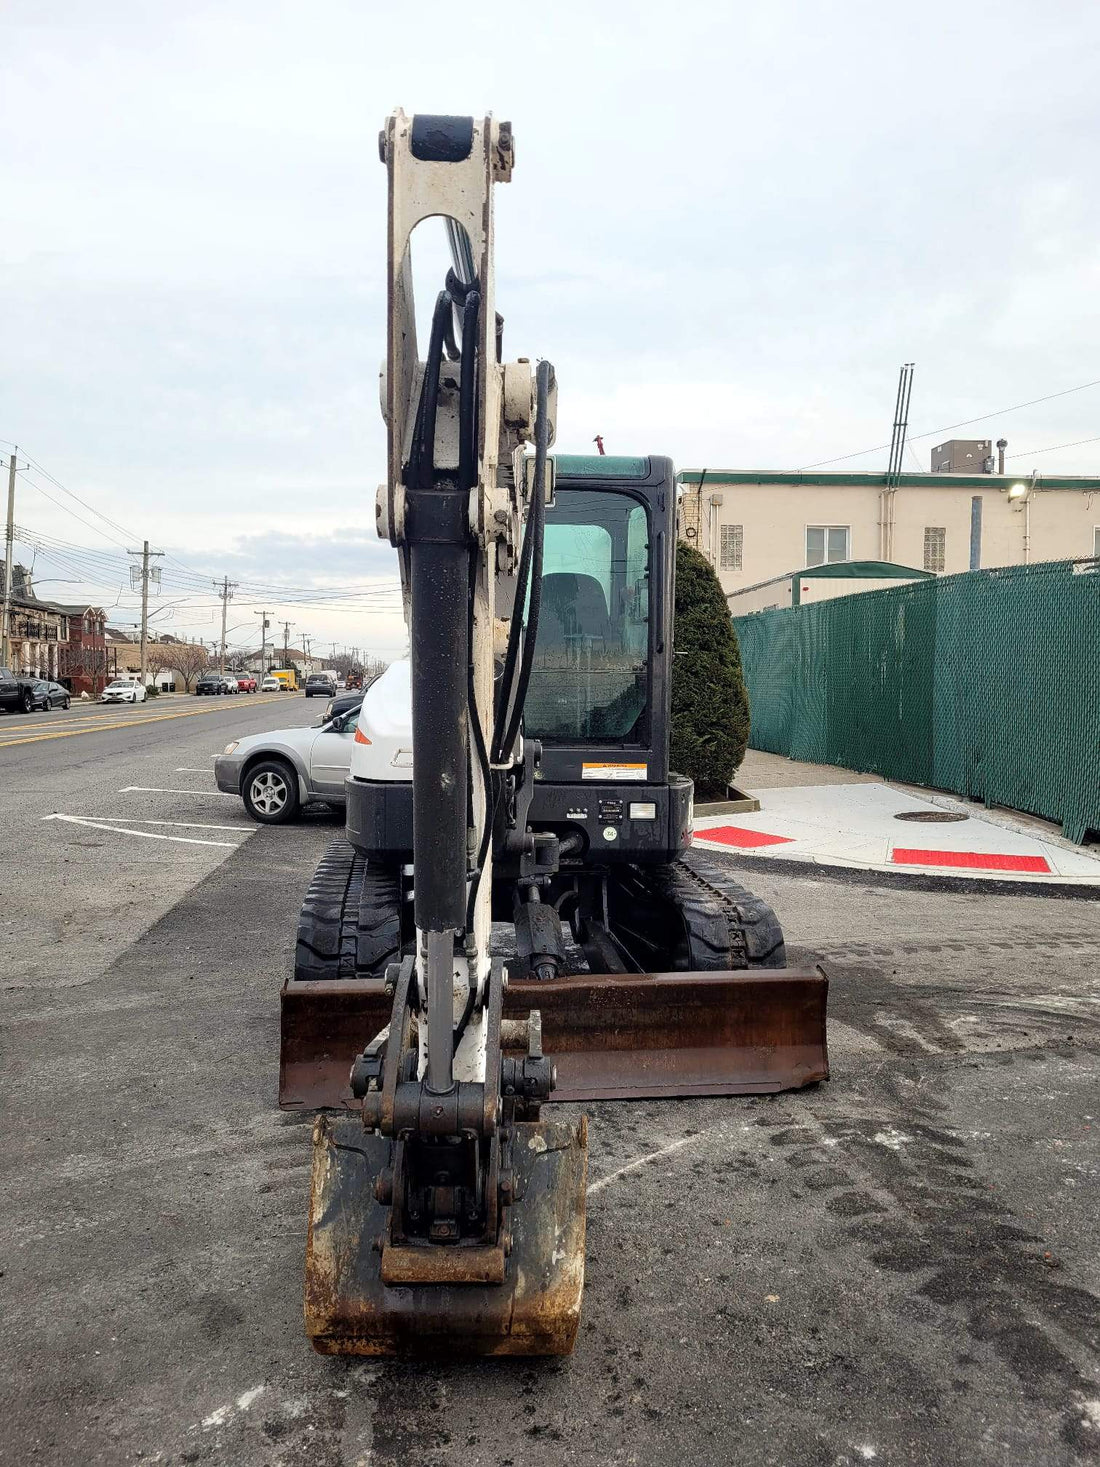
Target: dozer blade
{"x":534,"y":1311}
{"x":617,"y":1036}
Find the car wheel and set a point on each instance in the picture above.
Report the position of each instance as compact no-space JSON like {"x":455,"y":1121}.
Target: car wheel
{"x":26,"y":702}
{"x":270,"y":792}
{"x":67,"y":704}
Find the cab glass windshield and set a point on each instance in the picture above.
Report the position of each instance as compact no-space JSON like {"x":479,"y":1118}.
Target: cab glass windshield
{"x":590,"y":677}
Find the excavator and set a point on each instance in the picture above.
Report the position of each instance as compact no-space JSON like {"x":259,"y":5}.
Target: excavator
{"x":514,"y":916}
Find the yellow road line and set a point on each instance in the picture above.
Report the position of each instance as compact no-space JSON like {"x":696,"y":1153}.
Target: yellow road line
{"x":73,"y":733}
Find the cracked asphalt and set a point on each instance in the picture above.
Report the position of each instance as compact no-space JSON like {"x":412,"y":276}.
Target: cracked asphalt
{"x":900,"y":1266}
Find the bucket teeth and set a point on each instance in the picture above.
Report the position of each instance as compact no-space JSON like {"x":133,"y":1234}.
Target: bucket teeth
{"x":534,"y":1311}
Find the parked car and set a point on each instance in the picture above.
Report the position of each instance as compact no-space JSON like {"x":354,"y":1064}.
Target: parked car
{"x":51,"y":695}
{"x":342,"y":703}
{"x":275,"y":774}
{"x":215,"y":684}
{"x":270,"y":685}
{"x":246,"y":683}
{"x":17,"y":691}
{"x":123,"y":690}
{"x":320,"y":682}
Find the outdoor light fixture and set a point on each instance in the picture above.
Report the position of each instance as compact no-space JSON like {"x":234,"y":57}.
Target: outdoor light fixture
{"x":1018,"y":492}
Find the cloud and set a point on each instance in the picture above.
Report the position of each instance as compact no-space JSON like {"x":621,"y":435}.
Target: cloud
{"x":727,"y":228}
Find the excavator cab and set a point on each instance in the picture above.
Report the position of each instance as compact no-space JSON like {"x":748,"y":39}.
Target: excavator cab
{"x":515,"y":915}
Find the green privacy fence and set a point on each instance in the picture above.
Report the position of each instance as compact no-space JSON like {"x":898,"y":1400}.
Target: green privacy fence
{"x":986,"y":684}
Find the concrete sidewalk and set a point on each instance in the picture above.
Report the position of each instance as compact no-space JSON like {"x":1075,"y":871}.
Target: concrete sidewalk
{"x":824,"y":816}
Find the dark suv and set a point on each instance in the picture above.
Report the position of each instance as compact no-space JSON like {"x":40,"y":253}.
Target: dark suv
{"x":213,"y":684}
{"x":18,"y":691}
{"x":320,"y":682}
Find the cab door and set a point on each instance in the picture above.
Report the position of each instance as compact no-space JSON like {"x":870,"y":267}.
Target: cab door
{"x":330,"y":756}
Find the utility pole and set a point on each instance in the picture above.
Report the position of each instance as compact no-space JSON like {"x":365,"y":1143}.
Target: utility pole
{"x":286,"y":642}
{"x":145,"y":553}
{"x":226,"y":591}
{"x":9,"y":551}
{"x":264,"y":624}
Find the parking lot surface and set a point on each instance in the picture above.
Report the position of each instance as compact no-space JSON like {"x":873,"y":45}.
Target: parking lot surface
{"x":900,"y":1266}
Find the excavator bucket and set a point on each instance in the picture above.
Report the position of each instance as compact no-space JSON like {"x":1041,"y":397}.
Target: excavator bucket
{"x":620,"y":1036}
{"x":364,"y":1298}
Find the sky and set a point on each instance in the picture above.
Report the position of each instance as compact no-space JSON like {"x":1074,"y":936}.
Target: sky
{"x":727,"y":228}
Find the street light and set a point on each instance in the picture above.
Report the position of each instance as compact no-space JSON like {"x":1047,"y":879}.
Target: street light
{"x":1017,"y":493}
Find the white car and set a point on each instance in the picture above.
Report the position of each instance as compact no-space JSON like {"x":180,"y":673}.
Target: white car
{"x":123,"y":690}
{"x":270,"y":685}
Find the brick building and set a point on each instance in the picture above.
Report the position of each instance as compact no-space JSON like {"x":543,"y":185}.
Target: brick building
{"x":66,"y":644}
{"x":85,"y":667}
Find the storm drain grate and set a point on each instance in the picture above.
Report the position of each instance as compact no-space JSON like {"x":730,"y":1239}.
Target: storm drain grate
{"x":928,"y":817}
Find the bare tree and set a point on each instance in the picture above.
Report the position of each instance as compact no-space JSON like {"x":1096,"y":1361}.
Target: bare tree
{"x":189,"y":659}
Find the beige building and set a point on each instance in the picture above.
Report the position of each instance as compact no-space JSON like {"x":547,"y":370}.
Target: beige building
{"x":757,"y":525}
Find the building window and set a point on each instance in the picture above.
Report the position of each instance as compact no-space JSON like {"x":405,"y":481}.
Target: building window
{"x":733,"y":541}
{"x":827,"y":544}
{"x":1096,"y":541}
{"x":935,"y":547}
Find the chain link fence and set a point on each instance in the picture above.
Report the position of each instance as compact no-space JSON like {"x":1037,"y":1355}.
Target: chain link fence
{"x":986,"y":684}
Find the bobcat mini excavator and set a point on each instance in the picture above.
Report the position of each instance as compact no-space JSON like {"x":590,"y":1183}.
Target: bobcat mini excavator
{"x":514,"y":917}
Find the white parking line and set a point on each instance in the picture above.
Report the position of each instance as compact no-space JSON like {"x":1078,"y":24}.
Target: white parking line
{"x":186,"y":769}
{"x":153,"y":789}
{"x":182,"y":824}
{"x":145,"y":834}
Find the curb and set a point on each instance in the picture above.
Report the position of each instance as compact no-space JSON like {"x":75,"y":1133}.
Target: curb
{"x":917,"y":881}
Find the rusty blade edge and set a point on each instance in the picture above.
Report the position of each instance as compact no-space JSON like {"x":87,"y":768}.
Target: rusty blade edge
{"x":611,"y":1036}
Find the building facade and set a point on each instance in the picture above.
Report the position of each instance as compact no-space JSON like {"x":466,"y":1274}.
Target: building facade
{"x":61,"y":643}
{"x":756,"y":525}
{"x":39,"y":638}
{"x":85,"y":668}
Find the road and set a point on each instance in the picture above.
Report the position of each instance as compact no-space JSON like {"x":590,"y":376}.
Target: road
{"x":901,"y":1266}
{"x":84,"y":894}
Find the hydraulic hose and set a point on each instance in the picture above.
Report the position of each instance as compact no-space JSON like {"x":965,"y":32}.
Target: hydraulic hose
{"x":536,"y":526}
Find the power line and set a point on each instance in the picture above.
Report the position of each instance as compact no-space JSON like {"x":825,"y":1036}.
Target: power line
{"x":965,"y":423}
{"x":1054,"y":447}
{"x":196,"y":578}
{"x":90,"y":507}
{"x":105,"y":564}
{"x":64,"y":507}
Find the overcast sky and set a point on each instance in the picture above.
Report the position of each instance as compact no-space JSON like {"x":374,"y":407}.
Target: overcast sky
{"x":727,"y":227}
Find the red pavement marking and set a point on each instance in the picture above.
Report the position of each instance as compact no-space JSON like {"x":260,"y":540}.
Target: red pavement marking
{"x":737,"y":835}
{"x":975,"y":860}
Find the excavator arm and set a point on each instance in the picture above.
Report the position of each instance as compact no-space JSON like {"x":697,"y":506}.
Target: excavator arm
{"x":449,"y":1211}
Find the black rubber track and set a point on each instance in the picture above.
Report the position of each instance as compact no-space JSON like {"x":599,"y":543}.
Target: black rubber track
{"x":350,"y":923}
{"x":753,"y":925}
{"x":691,"y":916}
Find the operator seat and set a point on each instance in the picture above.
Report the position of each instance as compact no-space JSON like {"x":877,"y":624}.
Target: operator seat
{"x":574,"y":614}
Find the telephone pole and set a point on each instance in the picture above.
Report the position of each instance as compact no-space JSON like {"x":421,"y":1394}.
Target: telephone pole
{"x":286,"y":641}
{"x":264,"y":624}
{"x":225,"y":592}
{"x":9,"y":551}
{"x":145,"y":553}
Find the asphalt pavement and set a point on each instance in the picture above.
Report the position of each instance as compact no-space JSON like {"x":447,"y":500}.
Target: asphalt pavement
{"x":899,"y":1266}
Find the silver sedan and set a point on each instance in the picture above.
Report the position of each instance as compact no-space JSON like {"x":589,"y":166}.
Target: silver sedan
{"x":275,"y":774}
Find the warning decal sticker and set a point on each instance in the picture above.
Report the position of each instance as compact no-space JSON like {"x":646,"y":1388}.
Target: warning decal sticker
{"x":614,"y":771}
